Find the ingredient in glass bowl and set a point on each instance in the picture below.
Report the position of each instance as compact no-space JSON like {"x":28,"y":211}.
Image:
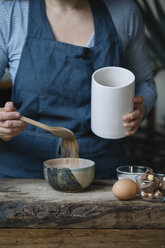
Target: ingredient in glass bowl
{"x":152,"y":186}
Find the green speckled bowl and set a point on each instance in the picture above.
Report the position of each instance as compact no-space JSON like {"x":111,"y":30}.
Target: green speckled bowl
{"x":69,"y":174}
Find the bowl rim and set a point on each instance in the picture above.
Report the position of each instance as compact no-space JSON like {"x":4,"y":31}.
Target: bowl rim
{"x":156,"y":174}
{"x":72,"y":169}
{"x":118,"y":169}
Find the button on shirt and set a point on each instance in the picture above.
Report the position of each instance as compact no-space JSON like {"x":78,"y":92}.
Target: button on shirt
{"x":129,"y":26}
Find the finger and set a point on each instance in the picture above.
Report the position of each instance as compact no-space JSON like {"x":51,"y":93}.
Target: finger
{"x":13,"y":124}
{"x":131,"y":116}
{"x":138,"y":99}
{"x":131,"y":131}
{"x":9,"y":116}
{"x":7,"y":137}
{"x":10,"y":131}
{"x":9,"y":106}
{"x":131,"y":124}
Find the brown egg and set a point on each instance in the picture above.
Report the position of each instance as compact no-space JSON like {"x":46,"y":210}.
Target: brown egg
{"x":124,"y":189}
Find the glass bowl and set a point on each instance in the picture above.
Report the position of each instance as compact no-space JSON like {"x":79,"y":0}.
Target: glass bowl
{"x":131,"y":171}
{"x":155,"y":194}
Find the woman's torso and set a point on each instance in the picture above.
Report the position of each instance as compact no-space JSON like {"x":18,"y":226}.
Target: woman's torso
{"x":55,"y":97}
{"x":15,"y":24}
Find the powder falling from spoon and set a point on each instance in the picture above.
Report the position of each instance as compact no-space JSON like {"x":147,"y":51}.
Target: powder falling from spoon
{"x":69,"y":149}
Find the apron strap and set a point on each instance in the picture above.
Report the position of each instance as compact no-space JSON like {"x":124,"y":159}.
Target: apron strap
{"x":103,"y":23}
{"x":37,"y":19}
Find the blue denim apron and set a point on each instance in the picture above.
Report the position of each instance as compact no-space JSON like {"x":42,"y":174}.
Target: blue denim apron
{"x":53,"y":86}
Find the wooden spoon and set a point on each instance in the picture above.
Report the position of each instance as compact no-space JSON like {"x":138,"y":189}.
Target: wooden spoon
{"x":57,"y":131}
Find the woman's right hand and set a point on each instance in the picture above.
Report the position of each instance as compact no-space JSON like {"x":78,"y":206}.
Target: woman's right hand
{"x":10,"y":125}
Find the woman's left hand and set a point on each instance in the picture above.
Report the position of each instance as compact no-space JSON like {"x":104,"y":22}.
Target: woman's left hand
{"x":133,"y":119}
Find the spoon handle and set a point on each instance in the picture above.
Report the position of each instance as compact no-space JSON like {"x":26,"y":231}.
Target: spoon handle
{"x":33,"y":122}
{"x":30,"y":121}
{"x":58,"y":131}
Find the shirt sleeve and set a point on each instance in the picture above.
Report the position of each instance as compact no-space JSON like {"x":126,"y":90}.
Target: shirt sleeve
{"x":136,"y":59}
{"x":3,"y":47}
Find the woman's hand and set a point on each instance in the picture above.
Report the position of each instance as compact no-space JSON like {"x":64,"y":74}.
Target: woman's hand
{"x":10,"y":125}
{"x":133,"y":119}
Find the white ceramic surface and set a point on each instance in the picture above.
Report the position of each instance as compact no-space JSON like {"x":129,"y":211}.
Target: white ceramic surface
{"x":111,"y":97}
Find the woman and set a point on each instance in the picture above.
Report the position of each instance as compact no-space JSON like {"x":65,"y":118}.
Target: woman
{"x":52,"y":47}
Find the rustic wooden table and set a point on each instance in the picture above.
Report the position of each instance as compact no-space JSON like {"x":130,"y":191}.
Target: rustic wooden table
{"x":32,"y":214}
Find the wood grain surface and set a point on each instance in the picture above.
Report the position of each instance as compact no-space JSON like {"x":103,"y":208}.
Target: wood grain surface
{"x":82,"y":238}
{"x":34,"y":204}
